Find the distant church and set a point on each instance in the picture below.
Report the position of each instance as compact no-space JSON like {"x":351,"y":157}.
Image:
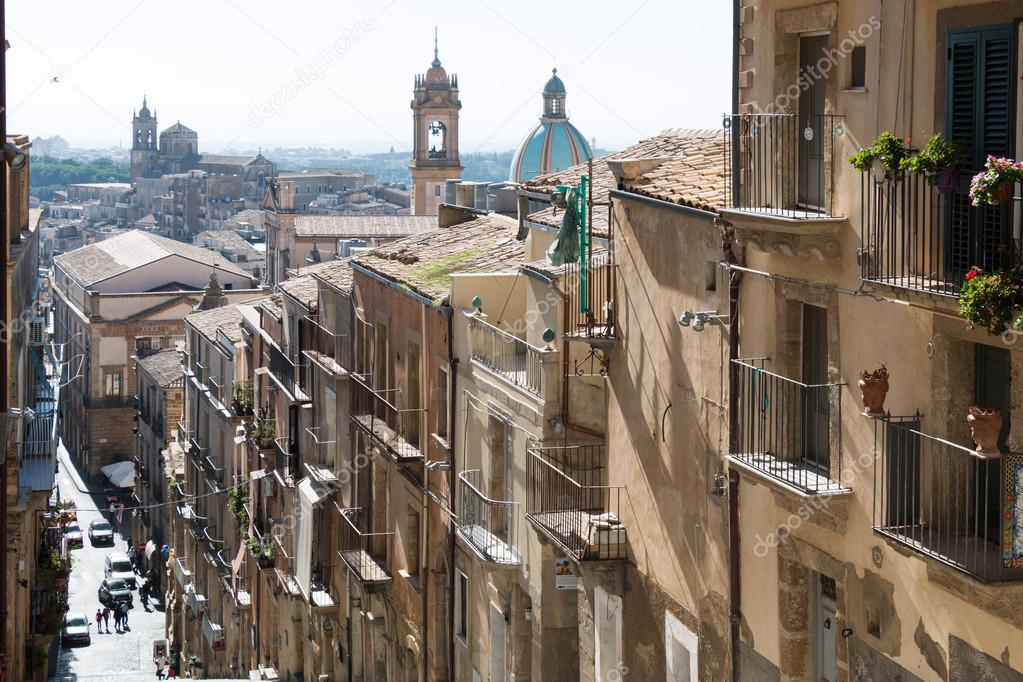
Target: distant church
{"x":552,"y":144}
{"x":178,"y":152}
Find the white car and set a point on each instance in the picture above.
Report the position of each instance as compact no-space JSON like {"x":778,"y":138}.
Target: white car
{"x":75,"y":630}
{"x":118,"y":566}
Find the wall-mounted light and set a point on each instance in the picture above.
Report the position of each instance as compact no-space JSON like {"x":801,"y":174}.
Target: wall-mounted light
{"x":685,"y":318}
{"x":14,"y":156}
{"x":699,"y":320}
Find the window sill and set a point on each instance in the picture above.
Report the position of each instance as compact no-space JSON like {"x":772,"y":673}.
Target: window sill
{"x":412,"y":580}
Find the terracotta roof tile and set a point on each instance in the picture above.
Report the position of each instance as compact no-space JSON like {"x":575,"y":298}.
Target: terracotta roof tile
{"x":339,"y":226}
{"x":164,"y":367}
{"x":335,"y":273}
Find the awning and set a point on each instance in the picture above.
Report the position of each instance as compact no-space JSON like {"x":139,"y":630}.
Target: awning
{"x":121,"y":474}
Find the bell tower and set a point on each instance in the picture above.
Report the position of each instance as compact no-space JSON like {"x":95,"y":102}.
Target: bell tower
{"x":435,"y":107}
{"x":144,"y":153}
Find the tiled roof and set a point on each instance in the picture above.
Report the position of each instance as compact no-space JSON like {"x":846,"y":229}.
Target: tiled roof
{"x":226,"y":160}
{"x":335,"y":273}
{"x":164,"y":367}
{"x":226,"y":318}
{"x":303,"y":289}
{"x":272,"y":303}
{"x":229,"y":238}
{"x":693,"y":176}
{"x":544,"y":267}
{"x":134,"y":249}
{"x":396,"y":226}
{"x":424,"y":263}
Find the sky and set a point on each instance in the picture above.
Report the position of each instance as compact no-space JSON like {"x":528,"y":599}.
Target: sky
{"x":333,"y":73}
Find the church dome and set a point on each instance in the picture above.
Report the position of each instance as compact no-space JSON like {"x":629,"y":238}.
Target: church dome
{"x":552,"y":144}
{"x":144,"y":113}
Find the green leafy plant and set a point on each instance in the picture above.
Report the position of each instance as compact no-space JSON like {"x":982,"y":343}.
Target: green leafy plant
{"x":264,"y":431}
{"x":238,"y":502}
{"x":891,"y":151}
{"x":243,"y":398}
{"x":993,"y":300}
{"x":259,"y":550}
{"x":994,"y":184}
{"x":937,"y":157}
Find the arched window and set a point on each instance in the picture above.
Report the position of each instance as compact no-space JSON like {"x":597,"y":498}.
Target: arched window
{"x":437,"y":140}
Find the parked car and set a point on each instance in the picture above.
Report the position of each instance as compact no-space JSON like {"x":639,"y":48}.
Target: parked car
{"x":100,"y":533}
{"x":117,"y":565}
{"x":73,"y":533}
{"x":75,"y":630}
{"x":114,"y":591}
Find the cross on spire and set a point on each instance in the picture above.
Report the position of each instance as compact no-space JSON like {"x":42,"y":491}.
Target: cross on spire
{"x":436,"y":57}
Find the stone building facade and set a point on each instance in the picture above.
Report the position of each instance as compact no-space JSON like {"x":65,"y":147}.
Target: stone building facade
{"x":435,"y":108}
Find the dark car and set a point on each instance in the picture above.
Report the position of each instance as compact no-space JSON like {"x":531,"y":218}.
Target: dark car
{"x":100,"y":533}
{"x":73,"y":533}
{"x":114,"y":591}
{"x":75,"y":630}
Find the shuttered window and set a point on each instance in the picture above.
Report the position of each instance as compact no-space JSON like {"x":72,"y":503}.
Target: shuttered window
{"x":981,"y":95}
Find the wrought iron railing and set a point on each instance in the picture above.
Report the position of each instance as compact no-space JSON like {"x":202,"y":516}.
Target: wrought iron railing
{"x":590,"y":308}
{"x":281,"y":366}
{"x":507,"y":355}
{"x":784,"y":428}
{"x":316,"y":337}
{"x":782,"y":165}
{"x":363,"y":552}
{"x":489,"y":526}
{"x":942,"y":500}
{"x":376,"y":413}
{"x":919,"y":237}
{"x":571,"y":503}
{"x":285,"y":460}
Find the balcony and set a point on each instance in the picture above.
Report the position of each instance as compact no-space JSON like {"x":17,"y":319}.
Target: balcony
{"x":915,"y":238}
{"x":325,"y":347}
{"x":508,"y":356}
{"x":363,"y":552}
{"x":781,"y":182}
{"x":488,"y":527}
{"x":396,"y":431}
{"x":182,"y":572}
{"x":941,"y":500}
{"x":184,"y":432}
{"x":590,"y":299}
{"x":214,"y":634}
{"x":285,"y":461}
{"x":788,"y":432}
{"x":571,"y":505}
{"x":323,"y":445}
{"x":282,"y":368}
{"x":196,"y":602}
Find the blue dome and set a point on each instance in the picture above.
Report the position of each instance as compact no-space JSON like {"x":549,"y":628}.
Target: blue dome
{"x":551,"y":145}
{"x":555,"y":84}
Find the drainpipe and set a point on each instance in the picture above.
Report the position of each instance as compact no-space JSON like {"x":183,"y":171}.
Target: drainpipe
{"x":424,"y":565}
{"x":734,"y":281}
{"x":452,"y":474}
{"x":4,"y":379}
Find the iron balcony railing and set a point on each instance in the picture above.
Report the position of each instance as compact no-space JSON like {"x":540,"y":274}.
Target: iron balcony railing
{"x":197,"y":450}
{"x":940,"y":499}
{"x":182,"y":572}
{"x":571,"y":503}
{"x":490,"y":527}
{"x":363,"y":552}
{"x":216,"y":390}
{"x":395,"y":430}
{"x":782,"y":165}
{"x":784,"y":428}
{"x":184,"y":432}
{"x":590,"y":307}
{"x":200,"y":373}
{"x":281,"y":366}
{"x":507,"y":355}
{"x":919,"y":237}
{"x":285,"y":461}
{"x":316,"y":337}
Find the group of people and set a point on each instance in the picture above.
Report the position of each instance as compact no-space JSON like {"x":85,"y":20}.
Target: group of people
{"x":120,"y":612}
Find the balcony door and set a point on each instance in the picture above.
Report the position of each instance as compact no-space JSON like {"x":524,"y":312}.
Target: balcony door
{"x":816,"y":407}
{"x":979,"y":118}
{"x":993,"y":390}
{"x":810,"y":128}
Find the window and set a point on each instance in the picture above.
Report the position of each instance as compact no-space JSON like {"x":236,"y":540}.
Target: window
{"x":440,"y":401}
{"x":112,"y":382}
{"x":607,"y":635}
{"x":858,"y":64}
{"x":412,"y":541}
{"x":681,"y":646}
{"x":436,"y":190}
{"x":462,"y":607}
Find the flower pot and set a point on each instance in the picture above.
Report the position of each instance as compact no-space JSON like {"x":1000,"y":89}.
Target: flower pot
{"x":985,"y":427}
{"x":874,"y":389}
{"x":1002,"y":192}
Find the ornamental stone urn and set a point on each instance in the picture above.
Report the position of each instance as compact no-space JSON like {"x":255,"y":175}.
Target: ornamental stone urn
{"x":985,"y":426}
{"x":874,"y":387}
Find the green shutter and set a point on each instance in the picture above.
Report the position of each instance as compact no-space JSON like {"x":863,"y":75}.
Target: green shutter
{"x":981,"y":94}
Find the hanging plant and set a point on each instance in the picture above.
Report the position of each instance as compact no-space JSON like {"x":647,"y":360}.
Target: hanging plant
{"x":885,"y":156}
{"x":238,"y":502}
{"x":993,"y":300}
{"x":995,"y":183}
{"x":939,"y":161}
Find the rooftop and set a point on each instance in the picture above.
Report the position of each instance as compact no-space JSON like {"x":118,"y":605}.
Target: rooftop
{"x":692,"y":175}
{"x":129,"y":250}
{"x":224,"y":159}
{"x":303,"y":289}
{"x":424,"y":263}
{"x":230,"y":240}
{"x":335,"y":273}
{"x":396,"y":226}
{"x":164,"y":367}
{"x":226,"y":319}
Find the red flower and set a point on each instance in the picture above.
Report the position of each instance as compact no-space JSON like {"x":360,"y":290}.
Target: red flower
{"x":971,"y":274}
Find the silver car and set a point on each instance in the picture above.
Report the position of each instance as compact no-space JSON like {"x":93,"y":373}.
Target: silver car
{"x":117,"y":565}
{"x":100,"y":533}
{"x":75,"y":630}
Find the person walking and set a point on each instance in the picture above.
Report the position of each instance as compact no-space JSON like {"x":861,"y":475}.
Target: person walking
{"x":124,"y":615}
{"x":99,"y":621}
{"x":106,"y":618}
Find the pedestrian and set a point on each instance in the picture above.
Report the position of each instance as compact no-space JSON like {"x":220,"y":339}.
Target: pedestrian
{"x":99,"y":621}
{"x":124,"y":615}
{"x":106,"y":618}
{"x":161,"y":663}
{"x":117,"y":618}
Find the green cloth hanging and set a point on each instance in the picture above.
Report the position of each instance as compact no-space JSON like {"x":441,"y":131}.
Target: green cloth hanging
{"x":565,"y":248}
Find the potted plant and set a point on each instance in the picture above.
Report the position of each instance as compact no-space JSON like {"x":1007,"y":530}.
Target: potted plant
{"x":263,"y":430}
{"x":238,"y":501}
{"x":939,"y":161}
{"x":243,"y":401}
{"x":995,"y":183}
{"x":262,"y":552}
{"x":985,"y":427}
{"x":993,"y":300}
{"x":884,"y":157}
{"x":874,"y":388}
{"x":194,"y":662}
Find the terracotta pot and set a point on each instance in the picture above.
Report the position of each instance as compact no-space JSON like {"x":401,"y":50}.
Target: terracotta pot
{"x":874,"y":388}
{"x":1002,"y":192}
{"x":985,"y":426}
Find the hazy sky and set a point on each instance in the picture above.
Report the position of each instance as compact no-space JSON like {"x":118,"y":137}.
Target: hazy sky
{"x":248,"y":73}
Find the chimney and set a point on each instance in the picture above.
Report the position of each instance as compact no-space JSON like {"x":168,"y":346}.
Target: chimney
{"x":212,"y":296}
